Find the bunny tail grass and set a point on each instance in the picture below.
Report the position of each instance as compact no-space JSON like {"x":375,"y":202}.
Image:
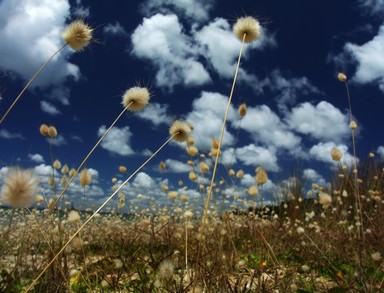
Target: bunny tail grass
{"x":51,"y":207}
{"x":94,"y":214}
{"x":209,"y":195}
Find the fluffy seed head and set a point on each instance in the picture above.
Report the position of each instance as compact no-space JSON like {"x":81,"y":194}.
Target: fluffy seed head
{"x":39,"y":199}
{"x":252,"y":191}
{"x":78,"y":35}
{"x":341,"y":77}
{"x":19,"y":187}
{"x":85,"y":177}
{"x":240,"y":174}
{"x":261,"y":176}
{"x":353,"y":125}
{"x":44,"y":129}
{"x":52,"y":131}
{"x":65,"y":169}
{"x":191,"y":140}
{"x":247,"y":26}
{"x":242,"y":110}
{"x":172,"y":194}
{"x":336,"y":154}
{"x":73,"y":217}
{"x":215,"y":144}
{"x":192,"y":176}
{"x":204,"y":168}
{"x":56,"y":164}
{"x":166,"y":269}
{"x":162,"y":166}
{"x":122,"y":169}
{"x":136,"y":98}
{"x":180,"y":130}
{"x":325,"y":199}
{"x":192,"y":150}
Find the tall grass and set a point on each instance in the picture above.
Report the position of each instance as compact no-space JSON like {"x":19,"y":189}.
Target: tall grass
{"x":311,"y":241}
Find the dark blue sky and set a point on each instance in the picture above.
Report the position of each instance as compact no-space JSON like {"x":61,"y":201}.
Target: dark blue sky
{"x":185,"y":52}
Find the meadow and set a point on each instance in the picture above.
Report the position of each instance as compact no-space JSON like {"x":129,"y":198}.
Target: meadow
{"x":323,"y":239}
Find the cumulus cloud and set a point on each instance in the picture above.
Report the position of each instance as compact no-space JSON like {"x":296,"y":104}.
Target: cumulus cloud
{"x":9,"y":135}
{"x":252,"y":155}
{"x":175,"y":166}
{"x":115,"y":29}
{"x":313,"y":176}
{"x":49,"y":108}
{"x":322,"y":152}
{"x":370,"y":60}
{"x":30,"y":33}
{"x":117,"y":140}
{"x":288,"y":89}
{"x":374,"y":7}
{"x":155,"y":113}
{"x":321,"y":122}
{"x":380,"y":151}
{"x":58,"y":140}
{"x":160,"y":39}
{"x":266,"y":127}
{"x":194,"y":10}
{"x":37,"y":158}
{"x":207,"y":118}
{"x":143,"y":180}
{"x":220,"y":47}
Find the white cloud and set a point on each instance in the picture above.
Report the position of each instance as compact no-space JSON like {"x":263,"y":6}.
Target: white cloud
{"x":143,"y":180}
{"x":175,"y":166}
{"x":207,"y":118}
{"x":8,"y":135}
{"x":321,"y":122}
{"x":37,"y":158}
{"x":313,"y":176}
{"x":161,"y":40}
{"x":220,"y":47}
{"x":117,"y":140}
{"x":373,"y":6}
{"x":30,"y":32}
{"x":155,"y":113}
{"x":58,"y":140}
{"x":380,"y":151}
{"x":322,"y":152}
{"x":252,"y":155}
{"x":114,"y":29}
{"x":266,"y":127}
{"x":370,"y":60}
{"x":194,"y":10}
{"x":49,"y":108}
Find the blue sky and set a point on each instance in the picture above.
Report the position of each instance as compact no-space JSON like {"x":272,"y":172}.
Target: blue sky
{"x":185,"y":52}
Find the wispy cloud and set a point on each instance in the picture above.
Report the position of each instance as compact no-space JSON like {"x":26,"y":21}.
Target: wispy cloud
{"x":49,"y":108}
{"x":9,"y":135}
